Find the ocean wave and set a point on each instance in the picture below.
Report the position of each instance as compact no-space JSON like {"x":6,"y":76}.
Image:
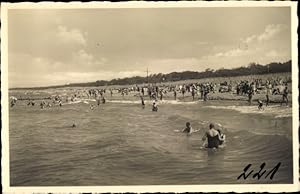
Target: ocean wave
{"x":125,"y":101}
{"x":176,"y":102}
{"x":86,"y":101}
{"x":276,"y":110}
{"x":151,"y":101}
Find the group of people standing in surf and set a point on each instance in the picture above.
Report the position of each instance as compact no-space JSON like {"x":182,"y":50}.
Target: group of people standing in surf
{"x":212,"y":138}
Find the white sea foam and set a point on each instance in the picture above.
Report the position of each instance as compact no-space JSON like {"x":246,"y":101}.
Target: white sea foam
{"x":125,"y":101}
{"x":276,"y":110}
{"x":150,"y":102}
{"x":74,"y":102}
{"x":176,"y":102}
{"x":86,"y":101}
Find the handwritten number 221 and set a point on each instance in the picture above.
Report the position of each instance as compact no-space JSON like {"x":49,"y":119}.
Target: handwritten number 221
{"x":260,"y":173}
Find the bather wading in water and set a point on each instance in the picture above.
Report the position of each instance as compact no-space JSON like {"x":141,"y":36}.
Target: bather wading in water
{"x":260,"y":105}
{"x":214,"y":137}
{"x":143,"y":102}
{"x":154,"y":107}
{"x":188,"y":129}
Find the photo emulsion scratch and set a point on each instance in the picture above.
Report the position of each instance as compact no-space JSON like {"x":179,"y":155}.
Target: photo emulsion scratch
{"x":149,"y":97}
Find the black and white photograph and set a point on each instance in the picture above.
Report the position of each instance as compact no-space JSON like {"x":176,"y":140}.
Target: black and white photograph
{"x":201,"y":96}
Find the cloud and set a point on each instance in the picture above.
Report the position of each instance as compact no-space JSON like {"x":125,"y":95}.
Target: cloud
{"x":71,"y":35}
{"x":56,"y":42}
{"x":270,"y":32}
{"x":23,"y":63}
{"x":250,"y":39}
{"x":272,"y":44}
{"x":82,"y":60}
{"x":29,"y":71}
{"x":231,"y":53}
{"x":81,"y":57}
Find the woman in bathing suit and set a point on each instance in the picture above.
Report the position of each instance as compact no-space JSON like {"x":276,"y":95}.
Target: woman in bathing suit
{"x":212,"y":136}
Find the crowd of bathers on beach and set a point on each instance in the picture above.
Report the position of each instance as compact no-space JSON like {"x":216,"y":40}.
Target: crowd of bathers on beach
{"x":156,"y":93}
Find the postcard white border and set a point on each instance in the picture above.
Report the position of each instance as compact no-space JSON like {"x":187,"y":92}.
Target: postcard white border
{"x":148,"y":188}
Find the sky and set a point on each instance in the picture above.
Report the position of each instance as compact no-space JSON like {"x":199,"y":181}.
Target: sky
{"x":61,"y":46}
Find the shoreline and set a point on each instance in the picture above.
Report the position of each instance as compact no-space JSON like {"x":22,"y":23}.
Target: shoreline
{"x":211,"y":97}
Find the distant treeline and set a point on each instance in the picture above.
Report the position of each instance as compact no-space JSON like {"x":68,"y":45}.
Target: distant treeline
{"x":251,"y":69}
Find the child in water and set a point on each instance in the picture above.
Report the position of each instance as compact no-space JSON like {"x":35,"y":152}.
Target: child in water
{"x":188,"y":129}
{"x":154,"y":107}
{"x":222,"y":137}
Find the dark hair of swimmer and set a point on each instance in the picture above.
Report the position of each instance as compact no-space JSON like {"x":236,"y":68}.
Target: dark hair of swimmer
{"x":211,"y":126}
{"x":188,"y":124}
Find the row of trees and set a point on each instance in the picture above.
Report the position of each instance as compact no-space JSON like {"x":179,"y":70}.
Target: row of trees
{"x":251,"y":69}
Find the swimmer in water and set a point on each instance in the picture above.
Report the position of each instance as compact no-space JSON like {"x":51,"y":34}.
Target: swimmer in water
{"x":154,"y":107}
{"x":92,"y":107}
{"x":188,"y":129}
{"x":74,"y":125}
{"x":260,"y":105}
{"x":212,"y":136}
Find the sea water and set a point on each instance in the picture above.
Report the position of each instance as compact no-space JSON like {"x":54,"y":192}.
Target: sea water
{"x":120,"y":143}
